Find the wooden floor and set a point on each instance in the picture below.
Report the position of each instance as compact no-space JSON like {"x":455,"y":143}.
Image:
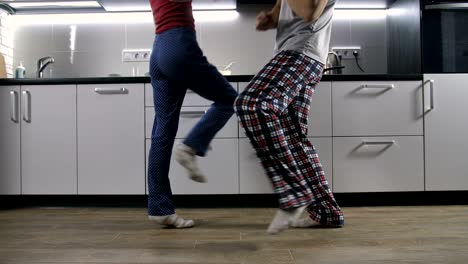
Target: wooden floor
{"x":116,"y":235}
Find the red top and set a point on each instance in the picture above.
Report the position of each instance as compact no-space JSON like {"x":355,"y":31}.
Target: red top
{"x":168,"y":14}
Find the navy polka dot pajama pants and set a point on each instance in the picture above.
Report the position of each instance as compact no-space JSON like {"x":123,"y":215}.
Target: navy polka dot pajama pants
{"x":177,"y":64}
{"x":274,"y":112}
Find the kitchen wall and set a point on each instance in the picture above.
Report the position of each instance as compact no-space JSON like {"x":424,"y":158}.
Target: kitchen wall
{"x":404,"y":37}
{"x":369,"y":33}
{"x":6,"y":42}
{"x":88,"y":50}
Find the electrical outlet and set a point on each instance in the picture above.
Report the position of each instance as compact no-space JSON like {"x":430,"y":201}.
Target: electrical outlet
{"x":346,"y":53}
{"x":136,"y":55}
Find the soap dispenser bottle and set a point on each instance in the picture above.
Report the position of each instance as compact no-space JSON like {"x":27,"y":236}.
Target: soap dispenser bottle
{"x":20,"y":71}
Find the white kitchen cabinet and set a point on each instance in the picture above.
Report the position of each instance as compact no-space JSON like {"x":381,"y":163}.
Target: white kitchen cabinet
{"x":10,"y":166}
{"x":253,"y":179}
{"x":376,"y":164}
{"x":320,"y":114}
{"x":220,"y":166}
{"x":243,"y":86}
{"x":111,"y":145}
{"x":48,"y":139}
{"x":191,"y":98}
{"x":370,"y":136}
{"x":446,"y":130}
{"x":378,"y":108}
{"x":189,"y":117}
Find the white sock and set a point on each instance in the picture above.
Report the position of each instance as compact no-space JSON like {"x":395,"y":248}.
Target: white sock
{"x":283,"y":218}
{"x":172,"y":221}
{"x":186,"y":157}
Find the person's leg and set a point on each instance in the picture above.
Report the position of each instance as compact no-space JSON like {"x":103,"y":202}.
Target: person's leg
{"x":205,"y":80}
{"x":210,"y":84}
{"x":264,"y":109}
{"x":323,"y":210}
{"x":261,"y":108}
{"x":168,"y":98}
{"x":167,"y":108}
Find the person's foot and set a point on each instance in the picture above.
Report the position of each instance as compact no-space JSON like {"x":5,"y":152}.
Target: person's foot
{"x":303,"y":223}
{"x":174,"y":221}
{"x":186,"y":157}
{"x":283,"y":218}
{"x":308,"y":223}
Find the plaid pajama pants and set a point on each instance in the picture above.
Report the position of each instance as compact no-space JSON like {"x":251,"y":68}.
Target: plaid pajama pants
{"x":274,"y":111}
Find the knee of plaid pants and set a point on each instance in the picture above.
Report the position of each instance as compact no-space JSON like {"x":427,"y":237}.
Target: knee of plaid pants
{"x":246,"y":111}
{"x":251,"y":109}
{"x":241,"y":108}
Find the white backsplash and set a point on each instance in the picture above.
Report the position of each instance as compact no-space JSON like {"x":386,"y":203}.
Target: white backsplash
{"x":98,"y":47}
{"x":6,"y":43}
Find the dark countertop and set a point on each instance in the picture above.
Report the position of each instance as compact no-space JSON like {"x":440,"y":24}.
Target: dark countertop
{"x":232,"y":78}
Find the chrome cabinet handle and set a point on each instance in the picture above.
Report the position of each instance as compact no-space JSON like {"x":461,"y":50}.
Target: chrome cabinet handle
{"x":111,"y":91}
{"x":432,"y":103}
{"x":27,"y":106}
{"x":192,"y":113}
{"x":383,"y":142}
{"x":14,"y":106}
{"x":378,"y":86}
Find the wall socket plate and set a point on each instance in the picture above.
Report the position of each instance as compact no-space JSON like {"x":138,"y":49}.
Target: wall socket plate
{"x":136,"y":55}
{"x":346,"y":53}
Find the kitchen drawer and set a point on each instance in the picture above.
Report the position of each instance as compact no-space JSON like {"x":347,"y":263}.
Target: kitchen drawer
{"x":253,"y":179}
{"x":189,"y":117}
{"x":191,"y":98}
{"x":390,"y":164}
{"x":320,"y":114}
{"x":220,"y":166}
{"x":377,"y":109}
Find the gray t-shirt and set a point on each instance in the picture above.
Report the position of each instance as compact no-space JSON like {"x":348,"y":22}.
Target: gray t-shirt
{"x":311,"y":39}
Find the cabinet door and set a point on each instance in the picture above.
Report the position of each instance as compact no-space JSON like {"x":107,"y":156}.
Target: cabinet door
{"x":446,"y":129}
{"x":378,"y":164}
{"x":48,"y":134}
{"x":220,"y":166}
{"x":253,"y":179}
{"x":378,"y":108}
{"x":10,"y":166}
{"x":111,"y":146}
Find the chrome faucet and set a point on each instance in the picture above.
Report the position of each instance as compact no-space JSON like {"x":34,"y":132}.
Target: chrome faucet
{"x":334,"y":63}
{"x":42,"y":63}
